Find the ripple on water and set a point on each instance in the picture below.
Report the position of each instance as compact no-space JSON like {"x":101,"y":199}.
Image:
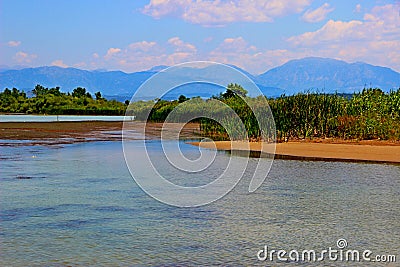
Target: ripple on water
{"x":89,"y":212}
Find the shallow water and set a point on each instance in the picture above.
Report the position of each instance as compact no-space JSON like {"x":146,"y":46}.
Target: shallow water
{"x":78,"y":205}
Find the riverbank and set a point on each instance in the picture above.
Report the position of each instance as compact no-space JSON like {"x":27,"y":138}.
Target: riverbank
{"x":323,"y":149}
{"x":364,"y":151}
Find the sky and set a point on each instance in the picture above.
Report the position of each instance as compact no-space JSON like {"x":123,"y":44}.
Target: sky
{"x":255,"y":35}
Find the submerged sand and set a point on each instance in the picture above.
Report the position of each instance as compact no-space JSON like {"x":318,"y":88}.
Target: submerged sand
{"x":86,"y":131}
{"x":362,"y":152}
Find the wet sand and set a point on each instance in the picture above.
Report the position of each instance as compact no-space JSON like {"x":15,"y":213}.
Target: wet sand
{"x":374,"y":152}
{"x":50,"y":130}
{"x":71,"y":132}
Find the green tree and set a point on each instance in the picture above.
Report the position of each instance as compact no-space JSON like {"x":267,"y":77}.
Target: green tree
{"x":54,"y":91}
{"x":182,"y":99}
{"x":79,"y":92}
{"x":39,"y":90}
{"x":98,"y":96}
{"x":233,"y":90}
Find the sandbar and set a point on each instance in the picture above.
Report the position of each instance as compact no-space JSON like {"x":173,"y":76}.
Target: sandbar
{"x":373,"y":152}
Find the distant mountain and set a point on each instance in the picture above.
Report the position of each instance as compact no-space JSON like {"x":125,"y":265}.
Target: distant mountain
{"x":327,"y":75}
{"x":15,"y":67}
{"x":108,"y":82}
{"x":112,"y":84}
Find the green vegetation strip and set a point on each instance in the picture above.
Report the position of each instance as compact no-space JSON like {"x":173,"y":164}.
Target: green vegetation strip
{"x":371,"y":114}
{"x":54,"y":102}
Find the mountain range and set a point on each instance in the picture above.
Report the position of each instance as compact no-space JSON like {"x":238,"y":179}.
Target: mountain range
{"x":322,"y":74}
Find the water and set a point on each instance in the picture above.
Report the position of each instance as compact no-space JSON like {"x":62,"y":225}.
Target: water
{"x":77,"y":205}
{"x":50,"y":118}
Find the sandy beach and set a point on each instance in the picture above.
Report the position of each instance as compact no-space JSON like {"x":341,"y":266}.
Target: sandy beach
{"x":374,"y":152}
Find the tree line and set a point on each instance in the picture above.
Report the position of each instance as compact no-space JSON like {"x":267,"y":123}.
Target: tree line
{"x":370,"y":114}
{"x":52,"y":101}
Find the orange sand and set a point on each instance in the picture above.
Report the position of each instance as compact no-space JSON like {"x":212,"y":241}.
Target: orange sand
{"x":316,"y":151}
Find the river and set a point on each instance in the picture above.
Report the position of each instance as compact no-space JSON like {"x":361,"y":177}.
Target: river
{"x":77,"y":205}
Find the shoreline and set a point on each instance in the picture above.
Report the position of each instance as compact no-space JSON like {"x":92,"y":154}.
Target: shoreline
{"x":59,"y":133}
{"x":345,"y":152}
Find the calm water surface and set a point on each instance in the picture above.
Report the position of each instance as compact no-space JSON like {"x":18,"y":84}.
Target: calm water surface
{"x":77,"y":205}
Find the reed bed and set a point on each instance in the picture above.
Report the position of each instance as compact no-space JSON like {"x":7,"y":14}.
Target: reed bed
{"x":370,"y":114}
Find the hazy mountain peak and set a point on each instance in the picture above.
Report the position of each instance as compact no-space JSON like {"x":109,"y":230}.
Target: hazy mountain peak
{"x":328,"y":75}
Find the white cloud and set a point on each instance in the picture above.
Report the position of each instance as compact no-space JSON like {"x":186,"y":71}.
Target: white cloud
{"x":112,"y":51}
{"x":142,"y":46}
{"x":332,"y":31}
{"x":146,"y":54}
{"x":375,"y":39}
{"x":59,"y":63}
{"x":23,"y":57}
{"x":221,"y":12}
{"x":318,"y":14}
{"x":381,"y":24}
{"x":234,"y":45}
{"x":14,"y":43}
{"x":181,"y":46}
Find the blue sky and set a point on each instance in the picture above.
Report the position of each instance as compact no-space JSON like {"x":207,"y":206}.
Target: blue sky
{"x":253,"y":34}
